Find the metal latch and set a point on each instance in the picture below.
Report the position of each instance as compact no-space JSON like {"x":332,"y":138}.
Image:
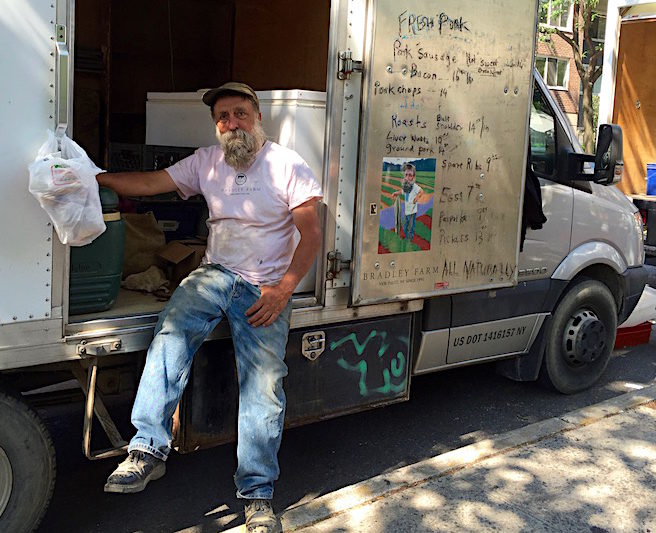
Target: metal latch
{"x":99,"y":347}
{"x":313,"y":344}
{"x":346,"y":65}
{"x":336,"y":264}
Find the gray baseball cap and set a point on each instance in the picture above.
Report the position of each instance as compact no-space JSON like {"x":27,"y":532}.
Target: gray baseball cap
{"x":232,"y":87}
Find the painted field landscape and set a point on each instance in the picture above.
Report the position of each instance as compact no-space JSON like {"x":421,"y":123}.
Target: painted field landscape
{"x":391,"y":237}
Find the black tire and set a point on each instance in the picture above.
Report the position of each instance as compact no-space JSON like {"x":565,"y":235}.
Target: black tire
{"x":580,"y":337}
{"x":27,"y":467}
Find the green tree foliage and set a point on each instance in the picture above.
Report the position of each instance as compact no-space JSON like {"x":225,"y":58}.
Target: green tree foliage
{"x":588,"y":54}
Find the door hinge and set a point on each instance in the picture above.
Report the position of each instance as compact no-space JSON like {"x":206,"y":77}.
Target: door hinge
{"x":98,"y":347}
{"x":336,"y":264}
{"x":346,"y":65}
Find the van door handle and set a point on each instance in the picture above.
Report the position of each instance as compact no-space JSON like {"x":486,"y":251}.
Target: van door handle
{"x":62,"y":80}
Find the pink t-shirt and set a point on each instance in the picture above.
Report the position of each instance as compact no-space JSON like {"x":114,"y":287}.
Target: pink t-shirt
{"x":251,"y":229}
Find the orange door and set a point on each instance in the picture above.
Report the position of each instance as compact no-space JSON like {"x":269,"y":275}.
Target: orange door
{"x":635,"y":101}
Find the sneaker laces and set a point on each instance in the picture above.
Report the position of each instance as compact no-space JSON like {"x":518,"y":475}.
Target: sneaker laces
{"x":134,"y":463}
{"x":260,"y":505}
{"x":260,"y":517}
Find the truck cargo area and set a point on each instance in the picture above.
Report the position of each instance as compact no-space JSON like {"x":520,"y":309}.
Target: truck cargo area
{"x":137,"y":106}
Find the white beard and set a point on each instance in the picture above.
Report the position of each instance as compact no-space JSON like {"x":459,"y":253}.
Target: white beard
{"x":240,"y":146}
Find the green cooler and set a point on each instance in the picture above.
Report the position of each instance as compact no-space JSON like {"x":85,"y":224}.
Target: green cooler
{"x":96,"y":268}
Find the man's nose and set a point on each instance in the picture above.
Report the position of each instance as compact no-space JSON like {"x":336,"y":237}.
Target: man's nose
{"x":233,"y":123}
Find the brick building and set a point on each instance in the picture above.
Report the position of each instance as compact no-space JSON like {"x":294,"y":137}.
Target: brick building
{"x":554,"y":58}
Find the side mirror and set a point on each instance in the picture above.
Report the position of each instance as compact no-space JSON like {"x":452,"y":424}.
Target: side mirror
{"x":609,"y":165}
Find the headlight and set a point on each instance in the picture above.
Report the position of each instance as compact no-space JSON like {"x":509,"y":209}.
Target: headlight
{"x":638,"y":221}
{"x":641,"y":232}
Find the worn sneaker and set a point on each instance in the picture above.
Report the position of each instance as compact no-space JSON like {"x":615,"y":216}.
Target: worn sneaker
{"x":260,"y":517}
{"x":133,"y":474}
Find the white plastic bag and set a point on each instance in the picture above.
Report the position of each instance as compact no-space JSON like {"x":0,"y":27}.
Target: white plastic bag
{"x":645,"y":309}
{"x":64,"y":183}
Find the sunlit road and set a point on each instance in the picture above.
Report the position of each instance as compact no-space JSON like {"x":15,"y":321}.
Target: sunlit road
{"x":446,"y":410}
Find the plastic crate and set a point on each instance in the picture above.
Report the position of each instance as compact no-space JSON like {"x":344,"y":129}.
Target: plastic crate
{"x":125,"y":157}
{"x":651,"y":179}
{"x":633,"y":336}
{"x":178,"y":219}
{"x":159,"y":157}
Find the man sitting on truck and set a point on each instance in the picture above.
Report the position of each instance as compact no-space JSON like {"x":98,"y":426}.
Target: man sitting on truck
{"x":258,"y":193}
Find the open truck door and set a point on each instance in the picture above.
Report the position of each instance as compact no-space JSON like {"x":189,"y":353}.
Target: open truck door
{"x":36,"y":96}
{"x":443,"y":95}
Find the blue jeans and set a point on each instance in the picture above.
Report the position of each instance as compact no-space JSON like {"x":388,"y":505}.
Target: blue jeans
{"x":207,"y":295}
{"x":409,"y":226}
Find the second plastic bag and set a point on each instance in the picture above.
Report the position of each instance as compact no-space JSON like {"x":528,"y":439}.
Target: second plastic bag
{"x":64,"y":183}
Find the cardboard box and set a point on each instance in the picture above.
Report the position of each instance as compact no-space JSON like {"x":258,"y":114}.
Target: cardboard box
{"x":180,"y":258}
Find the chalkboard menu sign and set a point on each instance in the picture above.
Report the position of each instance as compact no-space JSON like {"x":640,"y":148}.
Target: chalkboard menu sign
{"x":446,"y":94}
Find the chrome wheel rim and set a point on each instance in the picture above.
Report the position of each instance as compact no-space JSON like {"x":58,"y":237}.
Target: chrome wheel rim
{"x":6,"y":480}
{"x":585,"y":338}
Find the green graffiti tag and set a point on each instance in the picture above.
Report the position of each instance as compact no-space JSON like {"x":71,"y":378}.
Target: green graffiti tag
{"x":395,"y":368}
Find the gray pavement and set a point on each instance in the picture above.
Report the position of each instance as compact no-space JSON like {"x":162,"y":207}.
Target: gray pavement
{"x":591,"y":470}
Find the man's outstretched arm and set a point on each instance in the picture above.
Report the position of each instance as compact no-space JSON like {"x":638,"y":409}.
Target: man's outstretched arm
{"x":138,"y":183}
{"x":274,"y":298}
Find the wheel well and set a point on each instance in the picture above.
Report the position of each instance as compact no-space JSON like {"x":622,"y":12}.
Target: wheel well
{"x":608,"y":277}
{"x":527,"y":367}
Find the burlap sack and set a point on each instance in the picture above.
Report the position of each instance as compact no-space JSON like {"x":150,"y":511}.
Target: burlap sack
{"x":143,"y":237}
